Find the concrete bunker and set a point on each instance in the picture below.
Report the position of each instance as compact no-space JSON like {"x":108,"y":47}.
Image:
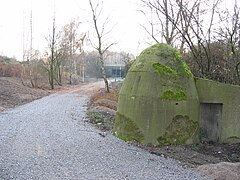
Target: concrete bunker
{"x":160,"y":103}
{"x":210,"y":118}
{"x":220,"y":111}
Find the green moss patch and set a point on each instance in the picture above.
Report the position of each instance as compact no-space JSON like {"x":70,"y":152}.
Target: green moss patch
{"x":162,"y":50}
{"x":182,"y":68}
{"x":178,"y":56}
{"x":187,"y":70}
{"x":179,"y":131}
{"x":127,"y":130}
{"x":174,"y":95}
{"x":163,"y":69}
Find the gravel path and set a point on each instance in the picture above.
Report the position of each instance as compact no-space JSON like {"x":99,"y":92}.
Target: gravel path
{"x":49,"y":139}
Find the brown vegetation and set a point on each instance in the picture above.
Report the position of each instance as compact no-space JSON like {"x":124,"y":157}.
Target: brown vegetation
{"x":13,"y":93}
{"x":102,"y":109}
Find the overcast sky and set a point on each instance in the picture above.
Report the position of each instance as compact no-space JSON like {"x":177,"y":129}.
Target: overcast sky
{"x":15,"y":20}
{"x":124,"y":14}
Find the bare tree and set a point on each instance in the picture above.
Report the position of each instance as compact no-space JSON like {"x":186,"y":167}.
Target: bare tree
{"x":59,"y":64}
{"x":31,"y":61}
{"x":184,"y":17}
{"x":160,"y":26}
{"x":229,"y":33}
{"x":49,"y":65}
{"x":126,"y":57}
{"x":91,"y":60}
{"x":128,"y":60}
{"x":71,"y":46}
{"x":101,"y":46}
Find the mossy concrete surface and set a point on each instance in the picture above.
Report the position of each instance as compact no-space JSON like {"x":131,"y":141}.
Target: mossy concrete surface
{"x":178,"y":131}
{"x":228,"y":95}
{"x":158,"y":88}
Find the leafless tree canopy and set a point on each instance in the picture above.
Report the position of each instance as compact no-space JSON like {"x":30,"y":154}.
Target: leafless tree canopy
{"x":199,"y":29}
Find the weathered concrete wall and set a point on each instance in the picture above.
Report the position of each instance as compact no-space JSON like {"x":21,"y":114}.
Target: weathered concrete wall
{"x":158,"y":102}
{"x":229,"y":95}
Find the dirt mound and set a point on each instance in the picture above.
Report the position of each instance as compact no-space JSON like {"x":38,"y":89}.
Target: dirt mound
{"x":106,"y":103}
{"x":13,"y":93}
{"x":102,"y":109}
{"x":220,"y":171}
{"x":198,"y":154}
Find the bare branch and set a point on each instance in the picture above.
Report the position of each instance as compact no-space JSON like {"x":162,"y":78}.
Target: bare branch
{"x":100,"y":33}
{"x":108,"y":46}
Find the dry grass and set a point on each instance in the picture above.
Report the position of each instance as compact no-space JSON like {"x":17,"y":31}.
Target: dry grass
{"x":103,"y":95}
{"x":13,"y":93}
{"x":102,"y":109}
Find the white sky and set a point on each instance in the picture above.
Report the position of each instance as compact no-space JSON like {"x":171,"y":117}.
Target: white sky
{"x":124,"y":14}
{"x":15,"y":18}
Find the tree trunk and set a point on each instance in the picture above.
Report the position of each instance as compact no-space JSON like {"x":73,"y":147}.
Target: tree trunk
{"x":104,"y":73}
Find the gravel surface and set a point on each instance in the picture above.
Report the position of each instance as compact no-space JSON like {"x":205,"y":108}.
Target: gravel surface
{"x":49,"y":139}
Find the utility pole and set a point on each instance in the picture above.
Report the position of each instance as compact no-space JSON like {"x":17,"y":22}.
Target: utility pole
{"x":23,"y":49}
{"x":31,"y":36}
{"x":30,"y":53}
{"x":23,"y":37}
{"x":52,"y":53}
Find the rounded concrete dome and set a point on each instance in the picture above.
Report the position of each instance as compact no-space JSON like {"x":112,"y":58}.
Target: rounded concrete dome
{"x":158,"y":102}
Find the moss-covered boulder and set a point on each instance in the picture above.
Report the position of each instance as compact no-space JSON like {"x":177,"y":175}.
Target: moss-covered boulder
{"x":158,"y":102}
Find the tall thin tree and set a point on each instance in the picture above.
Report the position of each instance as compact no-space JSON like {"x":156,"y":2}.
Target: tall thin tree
{"x":101,"y":47}
{"x":52,"y":46}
